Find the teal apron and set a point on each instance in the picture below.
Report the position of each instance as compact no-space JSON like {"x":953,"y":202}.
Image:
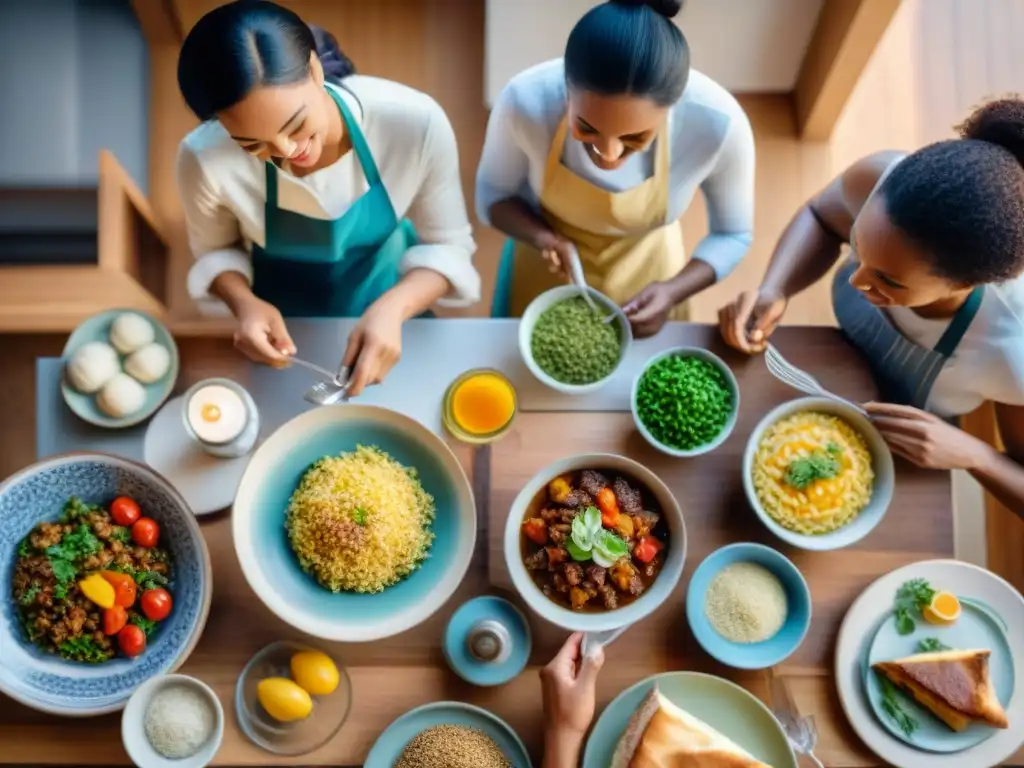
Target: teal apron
{"x":501,"y":304}
{"x":904,"y":371}
{"x":312,"y":267}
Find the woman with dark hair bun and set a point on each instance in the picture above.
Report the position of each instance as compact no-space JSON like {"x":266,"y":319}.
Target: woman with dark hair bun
{"x":600,"y":153}
{"x":311,"y":191}
{"x":932,"y":294}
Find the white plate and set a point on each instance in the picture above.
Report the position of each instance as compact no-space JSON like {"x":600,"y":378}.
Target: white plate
{"x":874,"y":606}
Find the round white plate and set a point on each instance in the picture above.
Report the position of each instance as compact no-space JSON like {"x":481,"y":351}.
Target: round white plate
{"x":875,"y":606}
{"x":207,"y":482}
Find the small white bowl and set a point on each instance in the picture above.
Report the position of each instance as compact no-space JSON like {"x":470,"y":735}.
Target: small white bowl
{"x":652,"y":599}
{"x":133,"y":725}
{"x":701,"y":354}
{"x":547,"y":300}
{"x":881,"y":462}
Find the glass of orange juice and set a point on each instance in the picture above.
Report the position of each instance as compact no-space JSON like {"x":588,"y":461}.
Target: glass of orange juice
{"x":479,"y":406}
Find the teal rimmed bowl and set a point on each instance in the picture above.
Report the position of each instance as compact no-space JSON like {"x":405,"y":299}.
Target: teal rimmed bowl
{"x":271,"y":567}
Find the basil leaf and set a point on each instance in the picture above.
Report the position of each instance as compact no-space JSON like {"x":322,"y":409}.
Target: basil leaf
{"x":592,"y":519}
{"x":603,"y":560}
{"x":582,"y":536}
{"x":575,"y":552}
{"x":610,"y":546}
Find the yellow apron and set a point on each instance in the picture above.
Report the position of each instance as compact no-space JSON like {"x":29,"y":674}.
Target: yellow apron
{"x":623,"y":240}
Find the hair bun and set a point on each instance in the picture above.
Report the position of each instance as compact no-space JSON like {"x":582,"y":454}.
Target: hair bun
{"x":667,"y":8}
{"x":998,"y":122}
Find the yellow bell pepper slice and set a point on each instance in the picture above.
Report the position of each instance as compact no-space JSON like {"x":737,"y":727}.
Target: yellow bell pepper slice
{"x":97,"y":590}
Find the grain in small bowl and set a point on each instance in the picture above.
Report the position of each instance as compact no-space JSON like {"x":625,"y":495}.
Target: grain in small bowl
{"x":569,"y":348}
{"x":685,"y":401}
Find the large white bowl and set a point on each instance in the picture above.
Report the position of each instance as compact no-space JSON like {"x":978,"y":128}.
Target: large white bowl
{"x":640,"y":608}
{"x":547,"y":300}
{"x":271,"y":567}
{"x":881,"y":462}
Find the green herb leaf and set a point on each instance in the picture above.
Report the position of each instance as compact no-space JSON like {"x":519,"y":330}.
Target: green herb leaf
{"x":25,"y":548}
{"x":608,"y":549}
{"x":63,"y":571}
{"x":146,"y":625}
{"x":931,"y":645}
{"x":804,"y":472}
{"x":359,"y":516}
{"x":76,"y":509}
{"x":582,"y":537}
{"x":122,"y":534}
{"x":78,"y":544}
{"x":29,"y":595}
{"x":575,"y":552}
{"x":61,"y":591}
{"x":85,"y":649}
{"x":911,"y":598}
{"x":592,"y":517}
{"x":894,"y":707}
{"x":150,"y":580}
{"x":834,"y":448}
{"x":905,"y":623}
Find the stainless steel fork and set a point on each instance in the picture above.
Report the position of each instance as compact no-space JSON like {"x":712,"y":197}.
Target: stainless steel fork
{"x":332,"y":390}
{"x":789,"y":374}
{"x":801,"y":731}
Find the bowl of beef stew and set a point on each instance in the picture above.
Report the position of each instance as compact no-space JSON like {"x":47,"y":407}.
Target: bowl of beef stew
{"x":595,"y":542}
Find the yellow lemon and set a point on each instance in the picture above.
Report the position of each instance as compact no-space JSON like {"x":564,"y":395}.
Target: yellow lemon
{"x":283,"y":700}
{"x":315,"y":672}
{"x":944,"y":609}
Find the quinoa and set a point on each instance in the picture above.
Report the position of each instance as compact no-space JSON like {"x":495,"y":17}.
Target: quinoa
{"x":360,"y":522}
{"x":452,"y":746}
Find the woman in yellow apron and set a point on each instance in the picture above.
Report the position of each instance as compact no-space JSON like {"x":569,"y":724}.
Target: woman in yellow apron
{"x":313,"y":192}
{"x":603,"y":150}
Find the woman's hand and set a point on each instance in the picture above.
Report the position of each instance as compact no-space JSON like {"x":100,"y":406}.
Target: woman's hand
{"x":374,"y":346}
{"x":557,"y":251}
{"x":747,"y":323}
{"x":926,"y":440}
{"x":648,"y":311}
{"x":569,"y":685}
{"x":261,"y":334}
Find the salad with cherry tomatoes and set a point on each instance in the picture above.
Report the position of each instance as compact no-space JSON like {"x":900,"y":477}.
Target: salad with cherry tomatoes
{"x":95,"y":583}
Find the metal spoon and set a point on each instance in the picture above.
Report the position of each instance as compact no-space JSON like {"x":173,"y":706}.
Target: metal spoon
{"x":576,"y":274}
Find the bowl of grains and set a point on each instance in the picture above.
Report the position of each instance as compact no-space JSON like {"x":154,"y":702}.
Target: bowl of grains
{"x":448,"y":734}
{"x":685,"y":401}
{"x":748,"y":606}
{"x":570,"y":347}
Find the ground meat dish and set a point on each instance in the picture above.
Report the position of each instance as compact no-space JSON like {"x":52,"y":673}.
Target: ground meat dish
{"x":54,"y":558}
{"x":562,"y":527}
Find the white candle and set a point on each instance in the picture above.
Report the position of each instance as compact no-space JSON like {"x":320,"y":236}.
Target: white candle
{"x":217,"y":414}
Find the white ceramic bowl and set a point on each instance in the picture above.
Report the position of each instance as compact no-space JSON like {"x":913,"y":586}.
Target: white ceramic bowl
{"x":885,"y":475}
{"x":133,"y":725}
{"x":640,"y":608}
{"x":730,"y":379}
{"x":544,"y":302}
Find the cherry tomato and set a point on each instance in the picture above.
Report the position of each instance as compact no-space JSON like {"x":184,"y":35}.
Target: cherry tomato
{"x":114,"y":620}
{"x":124,"y":511}
{"x":145,"y":532}
{"x":536,"y":530}
{"x":124,"y":587}
{"x":131,"y":640}
{"x":156,"y":604}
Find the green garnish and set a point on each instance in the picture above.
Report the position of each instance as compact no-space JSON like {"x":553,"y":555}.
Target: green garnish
{"x":76,"y":509}
{"x":29,"y":595}
{"x":591,"y":541}
{"x":84,"y":649}
{"x":122,"y":534}
{"x":79,"y":543}
{"x":61,"y":591}
{"x":573,"y":345}
{"x":359,"y":516}
{"x":146,"y":625}
{"x":25,"y":548}
{"x":911,"y":598}
{"x":63,"y":571}
{"x":894,"y":707}
{"x":820,"y":465}
{"x":684,"y":402}
{"x":931,"y":645}
{"x":150,"y":580}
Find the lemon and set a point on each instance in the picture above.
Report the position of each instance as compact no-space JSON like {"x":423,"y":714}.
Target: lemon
{"x":315,"y":672}
{"x":943,"y":610}
{"x":283,"y":700}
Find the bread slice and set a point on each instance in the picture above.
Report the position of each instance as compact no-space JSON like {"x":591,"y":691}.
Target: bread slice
{"x":661,"y":735}
{"x":954,"y":685}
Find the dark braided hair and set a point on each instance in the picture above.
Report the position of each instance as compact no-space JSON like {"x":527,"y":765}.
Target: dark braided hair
{"x":962,"y":201}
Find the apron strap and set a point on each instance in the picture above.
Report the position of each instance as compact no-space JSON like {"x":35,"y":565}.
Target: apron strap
{"x":960,"y":323}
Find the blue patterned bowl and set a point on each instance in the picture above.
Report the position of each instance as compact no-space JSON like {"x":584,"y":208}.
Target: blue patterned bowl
{"x":37,"y":494}
{"x":271,"y":567}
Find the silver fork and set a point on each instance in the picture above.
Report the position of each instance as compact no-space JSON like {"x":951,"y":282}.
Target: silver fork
{"x":801,"y":731}
{"x":331,"y":391}
{"x":789,"y":374}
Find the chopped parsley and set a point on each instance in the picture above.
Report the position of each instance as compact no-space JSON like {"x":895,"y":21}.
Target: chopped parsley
{"x":63,"y":570}
{"x":150,"y":580}
{"x":911,"y":598}
{"x":820,"y":465}
{"x":76,"y":509}
{"x":78,"y":544}
{"x":122,"y":534}
{"x":61,"y":591}
{"x":29,"y":595}
{"x":359,"y":516}
{"x":931,"y":645}
{"x":894,"y":707}
{"x":25,"y":548}
{"x":84,"y":649}
{"x":143,"y":623}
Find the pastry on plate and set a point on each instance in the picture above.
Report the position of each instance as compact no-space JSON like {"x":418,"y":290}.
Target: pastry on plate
{"x":661,"y":735}
{"x":953,"y":685}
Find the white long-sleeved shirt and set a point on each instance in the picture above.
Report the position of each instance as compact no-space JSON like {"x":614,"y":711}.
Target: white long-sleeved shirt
{"x":712,"y":148}
{"x":223,"y":189}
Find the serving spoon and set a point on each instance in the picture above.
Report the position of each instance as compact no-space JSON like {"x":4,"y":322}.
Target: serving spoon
{"x":577,"y":277}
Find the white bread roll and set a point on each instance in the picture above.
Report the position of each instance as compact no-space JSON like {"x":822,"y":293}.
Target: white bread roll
{"x":91,"y":366}
{"x":122,"y":396}
{"x":131,"y":331}
{"x":148,"y":364}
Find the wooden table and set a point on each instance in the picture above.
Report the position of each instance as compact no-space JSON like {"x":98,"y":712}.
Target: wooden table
{"x":392,"y":676}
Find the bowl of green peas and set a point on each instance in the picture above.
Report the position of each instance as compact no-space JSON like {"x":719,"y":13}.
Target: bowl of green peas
{"x":568,"y":345}
{"x":685,"y":401}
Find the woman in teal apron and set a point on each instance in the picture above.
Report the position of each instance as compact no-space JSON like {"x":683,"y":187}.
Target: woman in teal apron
{"x":286,"y":142}
{"x":932,"y":293}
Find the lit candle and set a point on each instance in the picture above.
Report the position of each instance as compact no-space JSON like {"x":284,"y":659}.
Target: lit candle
{"x":217,"y":414}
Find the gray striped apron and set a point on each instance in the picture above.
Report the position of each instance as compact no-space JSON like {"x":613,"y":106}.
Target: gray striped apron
{"x":903,"y":370}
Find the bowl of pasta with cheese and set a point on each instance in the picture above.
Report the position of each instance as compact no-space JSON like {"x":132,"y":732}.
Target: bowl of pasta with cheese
{"x":818,"y":473}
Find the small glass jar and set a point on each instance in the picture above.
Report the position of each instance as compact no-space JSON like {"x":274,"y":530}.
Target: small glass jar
{"x":457,"y":429}
{"x":238,"y":443}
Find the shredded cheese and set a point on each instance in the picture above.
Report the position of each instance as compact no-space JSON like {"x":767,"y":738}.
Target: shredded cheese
{"x":746,"y":603}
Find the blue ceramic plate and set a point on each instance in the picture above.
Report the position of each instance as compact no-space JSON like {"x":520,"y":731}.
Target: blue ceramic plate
{"x":389,"y":746}
{"x":266,"y":556}
{"x":977,"y":627}
{"x":724,"y":706}
{"x":97,"y":328}
{"x":464,"y":664}
{"x":750,"y":655}
{"x":38,"y":494}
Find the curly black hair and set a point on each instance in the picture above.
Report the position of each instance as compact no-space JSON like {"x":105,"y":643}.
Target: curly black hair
{"x":962,"y":201}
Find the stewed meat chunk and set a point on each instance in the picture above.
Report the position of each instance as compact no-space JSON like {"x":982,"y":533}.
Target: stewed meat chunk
{"x":592,"y":482}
